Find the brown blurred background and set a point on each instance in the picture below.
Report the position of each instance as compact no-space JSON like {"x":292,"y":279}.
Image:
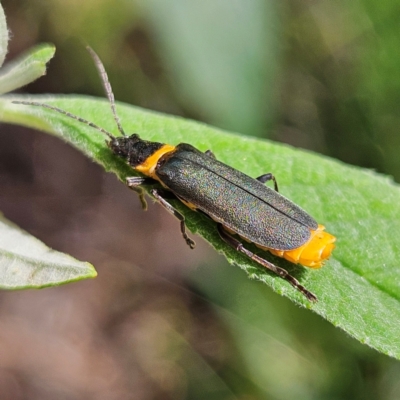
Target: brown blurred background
{"x":161,"y":321}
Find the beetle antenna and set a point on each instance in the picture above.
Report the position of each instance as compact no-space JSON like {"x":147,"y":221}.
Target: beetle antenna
{"x":107,"y":87}
{"x":109,"y":93}
{"x":68,"y":114}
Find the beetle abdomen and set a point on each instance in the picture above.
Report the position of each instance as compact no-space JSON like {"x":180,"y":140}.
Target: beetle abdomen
{"x":313,"y":253}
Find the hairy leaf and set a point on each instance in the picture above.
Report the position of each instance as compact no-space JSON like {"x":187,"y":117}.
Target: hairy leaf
{"x":358,"y":288}
{"x":26,"y":262}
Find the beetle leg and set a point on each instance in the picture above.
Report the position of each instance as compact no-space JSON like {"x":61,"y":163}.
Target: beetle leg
{"x":135,"y":183}
{"x":268,"y":177}
{"x":157,"y":194}
{"x":210,"y":153}
{"x":227,"y":238}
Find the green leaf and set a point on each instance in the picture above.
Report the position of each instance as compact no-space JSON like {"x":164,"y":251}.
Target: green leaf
{"x":26,"y":68}
{"x":26,"y":262}
{"x":358,"y":288}
{"x":3,"y":36}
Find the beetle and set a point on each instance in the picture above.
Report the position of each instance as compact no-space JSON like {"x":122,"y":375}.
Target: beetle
{"x":240,"y":205}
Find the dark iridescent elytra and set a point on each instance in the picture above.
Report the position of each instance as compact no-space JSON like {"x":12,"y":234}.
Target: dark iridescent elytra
{"x":239,"y":202}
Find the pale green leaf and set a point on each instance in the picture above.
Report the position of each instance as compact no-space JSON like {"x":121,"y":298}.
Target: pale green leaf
{"x":26,"y":68}
{"x":26,"y":262}
{"x":3,"y":36}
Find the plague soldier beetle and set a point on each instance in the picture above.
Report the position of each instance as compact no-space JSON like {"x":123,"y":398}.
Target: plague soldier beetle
{"x":240,"y":205}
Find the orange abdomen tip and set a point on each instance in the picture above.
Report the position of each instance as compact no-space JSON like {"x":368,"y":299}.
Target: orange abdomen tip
{"x":314,"y":252}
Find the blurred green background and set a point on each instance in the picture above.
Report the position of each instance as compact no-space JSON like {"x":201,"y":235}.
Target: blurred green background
{"x":182,"y":324}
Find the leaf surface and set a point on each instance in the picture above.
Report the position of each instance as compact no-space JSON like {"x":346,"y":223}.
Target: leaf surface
{"x":25,"y":69}
{"x":358,"y":288}
{"x":26,"y":262}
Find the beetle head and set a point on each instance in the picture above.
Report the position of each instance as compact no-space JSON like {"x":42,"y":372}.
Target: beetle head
{"x":132,"y":149}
